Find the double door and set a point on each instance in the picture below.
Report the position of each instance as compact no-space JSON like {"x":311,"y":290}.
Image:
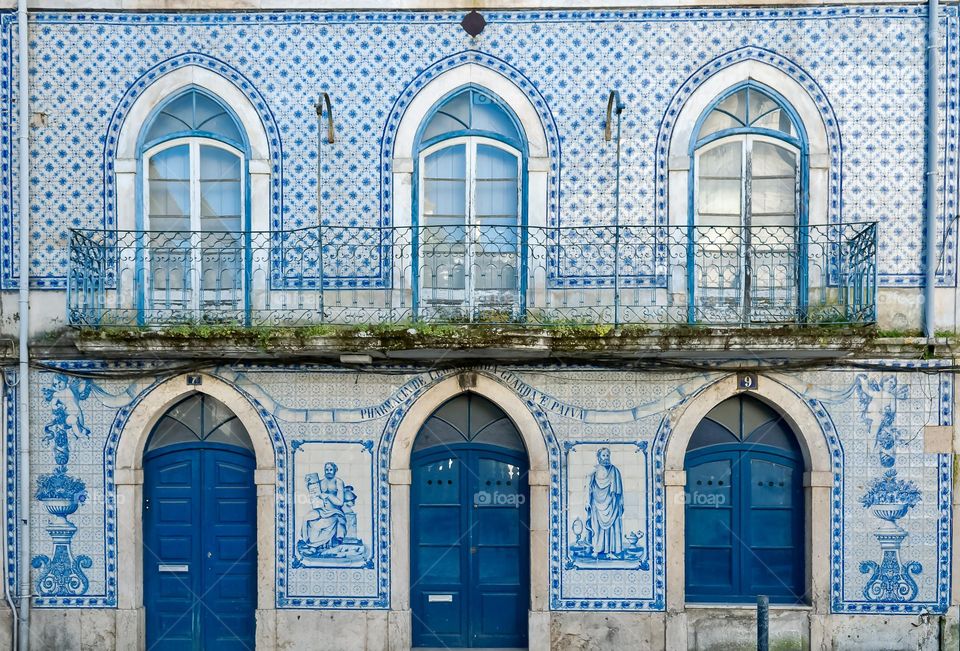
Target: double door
{"x":470,"y":547}
{"x":200,"y":554}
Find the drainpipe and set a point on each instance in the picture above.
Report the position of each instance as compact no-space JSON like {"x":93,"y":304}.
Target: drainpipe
{"x":23,"y":123}
{"x":930,"y":226}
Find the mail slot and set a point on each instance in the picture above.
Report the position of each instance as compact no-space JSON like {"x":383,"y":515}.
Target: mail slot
{"x":443,"y":598}
{"x":173,"y":568}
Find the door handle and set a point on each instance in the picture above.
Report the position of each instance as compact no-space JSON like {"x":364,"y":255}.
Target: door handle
{"x":473,"y":550}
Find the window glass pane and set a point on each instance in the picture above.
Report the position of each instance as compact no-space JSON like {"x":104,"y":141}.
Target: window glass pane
{"x":709,"y":432}
{"x":497,"y":187}
{"x":770,"y":160}
{"x":481,"y":412}
{"x":169,"y":431}
{"x":771,"y":484}
{"x":193,"y":111}
{"x":501,"y":433}
{"x":175,"y":117}
{"x":456,"y":411}
{"x":708,"y":484}
{"x":489,"y":116}
{"x":220,"y":193}
{"x":199,"y":417}
{"x":444,"y":211}
{"x":760,"y":104}
{"x":719,"y":182}
{"x":232,"y":432}
{"x":453,"y":116}
{"x":437,"y":432}
{"x":727,"y":413}
{"x":441,"y":124}
{"x":438,"y":482}
{"x":445,"y":179}
{"x":736,"y":105}
{"x":774,"y":184}
{"x":717,"y":121}
{"x":210,"y":116}
{"x":778,"y":120}
{"x":169,"y":188}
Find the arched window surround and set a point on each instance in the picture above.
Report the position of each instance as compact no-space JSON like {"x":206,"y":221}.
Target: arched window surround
{"x":800,"y":142}
{"x":126,"y":154}
{"x":145,"y":148}
{"x":818,"y":480}
{"x":518,"y":146}
{"x":748,"y":132}
{"x":188,"y":274}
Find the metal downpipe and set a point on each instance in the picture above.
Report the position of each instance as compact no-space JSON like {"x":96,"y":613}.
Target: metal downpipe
{"x":930,"y":208}
{"x":23,"y":377}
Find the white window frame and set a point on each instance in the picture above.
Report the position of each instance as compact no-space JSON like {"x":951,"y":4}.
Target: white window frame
{"x":197,"y":299}
{"x":747,"y":141}
{"x":470,"y":299}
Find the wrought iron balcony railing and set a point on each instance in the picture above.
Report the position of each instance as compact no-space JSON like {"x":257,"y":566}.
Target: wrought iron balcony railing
{"x":491,"y":274}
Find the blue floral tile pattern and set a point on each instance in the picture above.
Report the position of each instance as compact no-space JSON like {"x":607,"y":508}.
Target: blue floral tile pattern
{"x":864,"y":65}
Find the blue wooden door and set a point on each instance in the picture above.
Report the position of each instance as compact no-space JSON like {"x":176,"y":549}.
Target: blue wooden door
{"x":470,"y":547}
{"x":744,"y":507}
{"x":200,"y":555}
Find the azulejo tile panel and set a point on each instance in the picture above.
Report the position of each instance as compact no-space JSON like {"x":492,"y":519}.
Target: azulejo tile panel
{"x":87,"y":66}
{"x":605,"y":435}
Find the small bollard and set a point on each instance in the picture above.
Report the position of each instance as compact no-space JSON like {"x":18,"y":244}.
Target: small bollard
{"x":763,"y":623}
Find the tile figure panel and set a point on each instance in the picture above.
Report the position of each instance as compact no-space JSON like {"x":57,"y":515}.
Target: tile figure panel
{"x":605,"y":433}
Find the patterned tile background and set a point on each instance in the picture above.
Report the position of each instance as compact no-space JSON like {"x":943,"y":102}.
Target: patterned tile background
{"x":869,"y":62}
{"x":872,"y":421}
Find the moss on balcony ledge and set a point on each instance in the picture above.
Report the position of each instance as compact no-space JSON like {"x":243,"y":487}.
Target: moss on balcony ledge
{"x":422,"y":341}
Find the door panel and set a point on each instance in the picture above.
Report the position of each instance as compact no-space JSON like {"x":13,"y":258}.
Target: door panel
{"x":470,"y":547}
{"x":743,"y":521}
{"x":200,"y":547}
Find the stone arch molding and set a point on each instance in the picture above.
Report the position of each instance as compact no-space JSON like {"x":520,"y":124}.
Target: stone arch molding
{"x":702,"y":87}
{"x":818,"y":452}
{"x":539,"y":452}
{"x":152,"y":88}
{"x":444,"y":76}
{"x":128,"y":480}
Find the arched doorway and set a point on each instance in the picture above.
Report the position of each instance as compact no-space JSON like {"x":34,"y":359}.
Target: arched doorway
{"x":744,"y":513}
{"x":199,"y":521}
{"x":469,"y":533}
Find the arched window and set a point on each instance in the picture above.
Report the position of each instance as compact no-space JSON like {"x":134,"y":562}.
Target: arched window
{"x":748,"y":178}
{"x":194,"y":180}
{"x":744,"y":507}
{"x":471,"y":170}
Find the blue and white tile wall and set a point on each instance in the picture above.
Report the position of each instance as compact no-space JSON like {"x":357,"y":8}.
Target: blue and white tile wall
{"x":603,"y":429}
{"x":868,"y":61}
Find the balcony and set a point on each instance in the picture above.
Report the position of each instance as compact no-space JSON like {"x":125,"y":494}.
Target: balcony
{"x":653,"y":276}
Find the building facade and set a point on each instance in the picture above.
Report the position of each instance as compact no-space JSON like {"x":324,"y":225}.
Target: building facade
{"x":527,"y":327}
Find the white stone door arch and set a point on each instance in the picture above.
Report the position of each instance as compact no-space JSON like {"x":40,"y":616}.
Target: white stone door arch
{"x":400,"y":477}
{"x":131,"y":630}
{"x":817,"y":483}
